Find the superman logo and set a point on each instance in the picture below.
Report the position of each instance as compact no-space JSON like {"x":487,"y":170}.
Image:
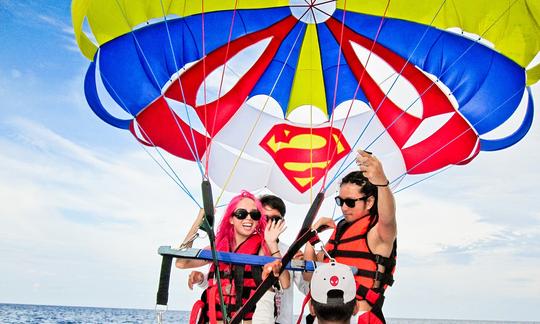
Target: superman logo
{"x":304,"y":154}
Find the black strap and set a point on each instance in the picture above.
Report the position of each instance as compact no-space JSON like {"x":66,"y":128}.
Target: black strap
{"x":348,"y":239}
{"x":388,"y":263}
{"x":385,"y":278}
{"x":364,"y":291}
{"x":238,"y":275}
{"x":353,"y":254}
{"x":304,"y":235}
{"x":257,"y":274}
{"x":164,"y":278}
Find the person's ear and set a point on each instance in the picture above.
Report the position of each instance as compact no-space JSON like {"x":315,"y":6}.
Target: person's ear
{"x":311,"y":309}
{"x":356,"y":308}
{"x":370,"y":202}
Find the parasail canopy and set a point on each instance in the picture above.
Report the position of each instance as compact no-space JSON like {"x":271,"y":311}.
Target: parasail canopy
{"x":278,"y":94}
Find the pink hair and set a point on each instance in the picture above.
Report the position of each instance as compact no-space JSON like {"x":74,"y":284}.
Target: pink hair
{"x":225,"y":238}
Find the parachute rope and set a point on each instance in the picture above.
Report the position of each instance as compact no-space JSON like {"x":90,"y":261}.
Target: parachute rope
{"x":176,"y":178}
{"x":357,"y":86}
{"x":203,"y":43}
{"x":446,"y":144}
{"x":464,"y":132}
{"x":153,"y":76}
{"x":340,"y":171}
{"x":196,"y":153}
{"x":434,"y":83}
{"x":235,"y":164}
{"x":429,"y":76}
{"x":208,"y":150}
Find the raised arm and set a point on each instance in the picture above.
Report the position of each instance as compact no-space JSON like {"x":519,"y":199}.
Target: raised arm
{"x":189,"y":263}
{"x":386,"y":228}
{"x":271,"y":234}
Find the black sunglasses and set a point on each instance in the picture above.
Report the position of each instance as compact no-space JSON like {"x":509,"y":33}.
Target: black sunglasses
{"x":241,"y":213}
{"x":349,"y":201}
{"x":273,"y":218}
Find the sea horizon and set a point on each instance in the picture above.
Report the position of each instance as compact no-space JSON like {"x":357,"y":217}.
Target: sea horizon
{"x":14,"y":313}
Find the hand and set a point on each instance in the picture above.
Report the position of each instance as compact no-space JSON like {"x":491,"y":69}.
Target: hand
{"x":324,"y":221}
{"x":272,"y":267}
{"x":371,"y":167}
{"x":299,"y":255}
{"x":272,"y":232}
{"x":195,"y":278}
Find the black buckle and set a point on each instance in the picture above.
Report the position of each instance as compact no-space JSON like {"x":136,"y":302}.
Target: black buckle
{"x":378,"y":276}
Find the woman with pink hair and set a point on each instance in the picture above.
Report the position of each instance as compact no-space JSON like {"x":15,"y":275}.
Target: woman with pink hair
{"x":241,"y":230}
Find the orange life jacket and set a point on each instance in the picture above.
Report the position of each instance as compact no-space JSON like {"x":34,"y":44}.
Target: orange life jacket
{"x":348,"y":245}
{"x":237,"y":281}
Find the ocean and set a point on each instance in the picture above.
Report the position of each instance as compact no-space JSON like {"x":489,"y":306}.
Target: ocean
{"x":42,"y":314}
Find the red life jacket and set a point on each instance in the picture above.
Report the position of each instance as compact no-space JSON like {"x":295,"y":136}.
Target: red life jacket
{"x":348,"y":245}
{"x":237,"y":281}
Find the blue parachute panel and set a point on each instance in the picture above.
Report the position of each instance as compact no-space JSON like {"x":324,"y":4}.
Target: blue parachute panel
{"x":347,"y":83}
{"x":278,"y":78}
{"x":473,"y":72}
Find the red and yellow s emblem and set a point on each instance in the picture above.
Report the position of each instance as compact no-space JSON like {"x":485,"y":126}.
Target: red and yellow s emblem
{"x":304,"y":154}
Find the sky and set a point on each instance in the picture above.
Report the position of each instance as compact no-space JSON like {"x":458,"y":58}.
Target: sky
{"x":83,"y":209}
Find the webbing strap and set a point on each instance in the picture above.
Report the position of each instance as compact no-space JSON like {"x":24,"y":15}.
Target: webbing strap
{"x":238,"y":274}
{"x":211,"y":298}
{"x":374,"y":299}
{"x":304,"y":303}
{"x":385,"y":278}
{"x":388,"y":263}
{"x":162,"y":297}
{"x":196,"y":312}
{"x":348,"y":239}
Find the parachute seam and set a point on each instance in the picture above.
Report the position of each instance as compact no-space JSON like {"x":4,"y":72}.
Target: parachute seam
{"x":173,"y":115}
{"x":364,"y":71}
{"x":340,"y":170}
{"x":235,"y":164}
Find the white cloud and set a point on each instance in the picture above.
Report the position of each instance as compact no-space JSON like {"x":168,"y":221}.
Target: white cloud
{"x":429,"y":225}
{"x":70,"y":216}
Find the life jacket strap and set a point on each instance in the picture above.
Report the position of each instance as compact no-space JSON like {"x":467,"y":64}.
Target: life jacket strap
{"x":387,"y":262}
{"x":196,"y":312}
{"x":375,"y":299}
{"x":211,"y":297}
{"x":348,"y":239}
{"x":304,"y":303}
{"x":314,"y":240}
{"x":238,"y":286}
{"x":385,"y":278}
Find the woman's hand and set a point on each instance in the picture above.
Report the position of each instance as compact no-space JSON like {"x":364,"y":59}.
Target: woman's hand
{"x":272,"y":267}
{"x":195,"y":278}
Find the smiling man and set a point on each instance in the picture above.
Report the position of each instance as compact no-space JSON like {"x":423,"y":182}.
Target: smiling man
{"x":276,"y":306}
{"x":366,"y":237}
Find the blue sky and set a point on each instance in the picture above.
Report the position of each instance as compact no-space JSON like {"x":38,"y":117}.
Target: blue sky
{"x":83,"y":209}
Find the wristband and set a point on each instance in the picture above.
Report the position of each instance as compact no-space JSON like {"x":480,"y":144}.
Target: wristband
{"x":383,"y":185}
{"x":274,"y":253}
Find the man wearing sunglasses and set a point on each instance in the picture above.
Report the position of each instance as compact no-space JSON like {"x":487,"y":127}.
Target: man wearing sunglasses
{"x":276,"y":305}
{"x":366,"y":237}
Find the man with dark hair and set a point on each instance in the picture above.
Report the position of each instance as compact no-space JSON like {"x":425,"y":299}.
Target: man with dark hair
{"x":276,"y":305}
{"x":366,"y":237}
{"x":271,"y":202}
{"x":333,"y":294}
